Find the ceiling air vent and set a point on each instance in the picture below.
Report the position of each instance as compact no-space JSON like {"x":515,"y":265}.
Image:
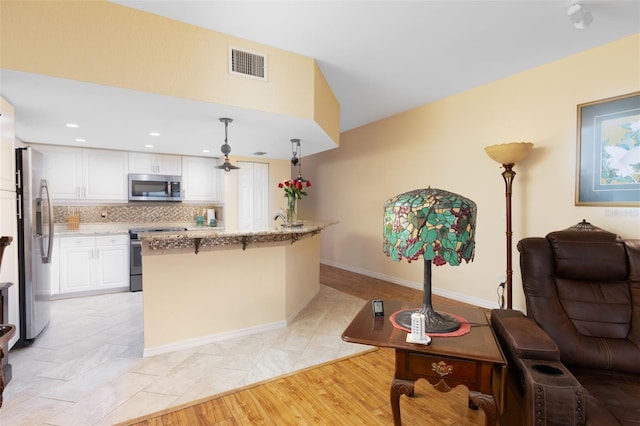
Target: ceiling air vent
{"x":247,"y":63}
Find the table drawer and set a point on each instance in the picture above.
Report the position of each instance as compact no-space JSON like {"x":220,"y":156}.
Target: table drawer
{"x":442,"y":367}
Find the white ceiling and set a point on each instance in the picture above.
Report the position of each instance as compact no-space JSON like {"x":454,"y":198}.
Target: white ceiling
{"x":379,"y":57}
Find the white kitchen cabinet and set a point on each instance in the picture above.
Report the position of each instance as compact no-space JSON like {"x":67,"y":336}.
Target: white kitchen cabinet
{"x":94,"y":262}
{"x":7,"y":147}
{"x":85,"y":174}
{"x":112,"y":261}
{"x":105,"y":174}
{"x":63,"y":170}
{"x":200,"y":179}
{"x":76,"y":264}
{"x":155,"y":164}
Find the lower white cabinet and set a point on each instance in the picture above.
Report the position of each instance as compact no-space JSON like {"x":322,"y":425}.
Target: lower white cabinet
{"x":94,"y":262}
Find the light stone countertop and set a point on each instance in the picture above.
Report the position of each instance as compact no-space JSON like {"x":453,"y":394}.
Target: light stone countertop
{"x":199,"y":237}
{"x":90,"y":229}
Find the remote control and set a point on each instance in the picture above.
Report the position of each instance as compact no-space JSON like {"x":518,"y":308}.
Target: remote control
{"x":417,"y":326}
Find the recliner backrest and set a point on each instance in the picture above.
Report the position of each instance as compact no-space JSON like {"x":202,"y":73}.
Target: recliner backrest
{"x":579,"y":288}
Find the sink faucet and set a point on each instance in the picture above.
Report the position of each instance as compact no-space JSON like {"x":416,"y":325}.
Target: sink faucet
{"x":281,"y":216}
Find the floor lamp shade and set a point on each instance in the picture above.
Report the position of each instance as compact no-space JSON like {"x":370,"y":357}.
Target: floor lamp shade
{"x":509,"y":153}
{"x":438,"y":226}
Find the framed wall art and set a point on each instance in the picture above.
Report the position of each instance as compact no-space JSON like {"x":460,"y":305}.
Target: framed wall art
{"x":608,"y":166}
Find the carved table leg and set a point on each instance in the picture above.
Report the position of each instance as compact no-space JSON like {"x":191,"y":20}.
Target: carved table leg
{"x":488,"y":405}
{"x":399,"y":387}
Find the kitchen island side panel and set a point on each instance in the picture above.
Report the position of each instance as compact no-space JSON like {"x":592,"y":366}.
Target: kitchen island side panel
{"x":303,"y":274}
{"x":221,"y":292}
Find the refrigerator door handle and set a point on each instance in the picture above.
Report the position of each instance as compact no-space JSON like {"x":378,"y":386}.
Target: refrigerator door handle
{"x":47,"y":258}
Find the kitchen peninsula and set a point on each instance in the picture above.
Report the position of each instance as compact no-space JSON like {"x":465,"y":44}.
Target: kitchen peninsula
{"x":207,"y":285}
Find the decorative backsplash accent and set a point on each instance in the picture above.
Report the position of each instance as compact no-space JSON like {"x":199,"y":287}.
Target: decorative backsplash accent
{"x":128,"y":213}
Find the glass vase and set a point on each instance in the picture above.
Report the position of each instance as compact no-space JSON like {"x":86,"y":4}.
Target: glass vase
{"x":292,"y":212}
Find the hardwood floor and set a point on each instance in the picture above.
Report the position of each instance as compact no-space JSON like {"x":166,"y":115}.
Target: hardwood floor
{"x":354,"y":391}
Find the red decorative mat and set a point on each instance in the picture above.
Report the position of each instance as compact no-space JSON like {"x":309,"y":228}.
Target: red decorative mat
{"x":465,"y":326}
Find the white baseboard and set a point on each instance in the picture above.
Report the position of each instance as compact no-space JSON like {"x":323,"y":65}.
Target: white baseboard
{"x":416,"y":285}
{"x":303,"y":305}
{"x":199,"y":341}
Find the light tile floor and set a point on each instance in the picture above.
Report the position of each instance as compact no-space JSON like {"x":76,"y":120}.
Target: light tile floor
{"x":87,"y":367}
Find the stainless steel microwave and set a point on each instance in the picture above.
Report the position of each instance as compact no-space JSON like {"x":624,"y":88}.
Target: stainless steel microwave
{"x":155,"y":188}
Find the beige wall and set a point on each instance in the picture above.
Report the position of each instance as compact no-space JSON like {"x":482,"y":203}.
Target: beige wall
{"x":192,"y":299}
{"x":189,"y":296}
{"x":105,"y":43}
{"x":302,"y":274}
{"x":441,"y":145}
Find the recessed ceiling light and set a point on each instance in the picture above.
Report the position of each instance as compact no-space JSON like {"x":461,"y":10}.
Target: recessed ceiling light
{"x":206,"y":151}
{"x":154,"y":134}
{"x":148,"y":146}
{"x":81,"y":140}
{"x":259,"y":153}
{"x":72,"y":125}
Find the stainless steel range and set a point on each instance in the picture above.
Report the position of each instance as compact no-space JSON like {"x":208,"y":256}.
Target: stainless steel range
{"x":135,"y":253}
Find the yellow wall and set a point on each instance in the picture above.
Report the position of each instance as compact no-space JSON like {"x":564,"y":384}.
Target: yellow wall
{"x":302,"y":274}
{"x":441,"y":144}
{"x":105,"y":43}
{"x":325,"y":106}
{"x":192,"y":299}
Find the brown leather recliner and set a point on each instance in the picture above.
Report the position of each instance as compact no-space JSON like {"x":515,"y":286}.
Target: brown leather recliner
{"x":574,"y":359}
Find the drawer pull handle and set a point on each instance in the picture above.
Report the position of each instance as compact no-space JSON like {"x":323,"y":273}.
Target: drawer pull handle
{"x":442,"y":368}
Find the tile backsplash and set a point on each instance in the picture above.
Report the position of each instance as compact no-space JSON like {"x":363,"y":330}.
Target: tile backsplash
{"x":128,"y":213}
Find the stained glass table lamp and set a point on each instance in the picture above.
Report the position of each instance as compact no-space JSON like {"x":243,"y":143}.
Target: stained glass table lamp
{"x":438,"y":226}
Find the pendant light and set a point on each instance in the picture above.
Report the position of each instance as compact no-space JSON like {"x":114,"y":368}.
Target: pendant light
{"x":296,"y":160}
{"x":226,"y":149}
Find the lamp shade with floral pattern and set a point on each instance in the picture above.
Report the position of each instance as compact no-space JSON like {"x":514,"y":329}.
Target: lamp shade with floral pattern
{"x":431,"y":223}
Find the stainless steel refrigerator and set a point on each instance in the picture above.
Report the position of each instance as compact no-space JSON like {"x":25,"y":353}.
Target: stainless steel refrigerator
{"x":35,"y":243}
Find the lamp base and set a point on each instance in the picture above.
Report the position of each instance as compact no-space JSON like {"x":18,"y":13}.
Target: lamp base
{"x":435,"y":322}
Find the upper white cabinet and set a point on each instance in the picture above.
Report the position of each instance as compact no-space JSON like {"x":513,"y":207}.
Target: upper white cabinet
{"x":200,"y":179}
{"x":63,"y":170}
{"x":155,"y":164}
{"x":7,"y":147}
{"x":105,"y":174}
{"x":85,"y":174}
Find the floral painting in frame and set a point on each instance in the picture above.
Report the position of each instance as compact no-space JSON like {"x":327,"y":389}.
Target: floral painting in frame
{"x":608,"y":163}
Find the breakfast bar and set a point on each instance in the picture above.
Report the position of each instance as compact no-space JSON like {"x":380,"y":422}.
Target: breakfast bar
{"x":207,"y":285}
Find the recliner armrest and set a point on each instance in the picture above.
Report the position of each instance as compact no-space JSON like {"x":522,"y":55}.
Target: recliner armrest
{"x":552,"y":396}
{"x":543,"y":391}
{"x":522,"y":337}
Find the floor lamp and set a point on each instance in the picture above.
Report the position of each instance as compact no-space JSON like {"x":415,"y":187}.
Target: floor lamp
{"x":508,"y":154}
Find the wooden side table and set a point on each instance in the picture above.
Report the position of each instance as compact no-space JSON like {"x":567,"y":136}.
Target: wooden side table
{"x":474,"y":360}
